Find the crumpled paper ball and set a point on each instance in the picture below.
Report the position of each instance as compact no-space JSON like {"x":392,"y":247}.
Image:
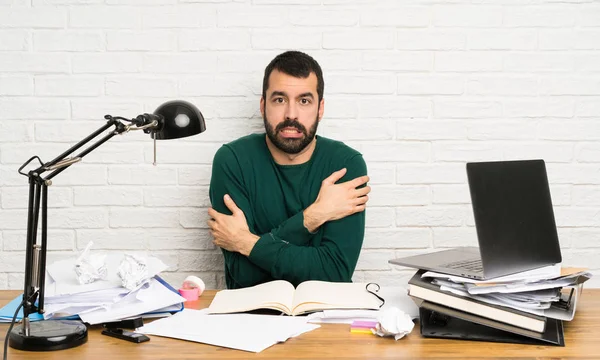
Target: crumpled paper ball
{"x":393,"y":322}
{"x":90,"y":267}
{"x":133,"y":271}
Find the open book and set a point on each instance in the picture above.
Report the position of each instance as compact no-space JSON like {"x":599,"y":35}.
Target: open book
{"x":308,"y":297}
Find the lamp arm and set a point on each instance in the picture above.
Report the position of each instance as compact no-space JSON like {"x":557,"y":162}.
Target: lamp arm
{"x":78,"y":157}
{"x":35,"y":254}
{"x":66,"y":163}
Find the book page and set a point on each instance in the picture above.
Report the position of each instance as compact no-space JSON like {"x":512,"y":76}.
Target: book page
{"x":322,"y":295}
{"x":276,"y":295}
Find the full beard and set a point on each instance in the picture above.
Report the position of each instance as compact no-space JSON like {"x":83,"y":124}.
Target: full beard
{"x":290,"y":146}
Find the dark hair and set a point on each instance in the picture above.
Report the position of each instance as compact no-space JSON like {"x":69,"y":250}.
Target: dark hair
{"x":296,"y":64}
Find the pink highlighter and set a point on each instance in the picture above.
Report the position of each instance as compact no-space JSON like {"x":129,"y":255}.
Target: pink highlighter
{"x":192,"y":288}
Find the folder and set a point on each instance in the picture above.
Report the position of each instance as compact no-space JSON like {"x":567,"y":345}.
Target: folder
{"x":169,"y":310}
{"x":438,"y":321}
{"x":8,"y":311}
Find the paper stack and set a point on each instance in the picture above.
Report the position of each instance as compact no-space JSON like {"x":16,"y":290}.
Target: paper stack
{"x":528,"y":307}
{"x":248,"y":332}
{"x":102,"y":300}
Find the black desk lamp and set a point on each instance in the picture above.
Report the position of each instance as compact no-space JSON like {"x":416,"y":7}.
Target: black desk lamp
{"x":171,"y":120}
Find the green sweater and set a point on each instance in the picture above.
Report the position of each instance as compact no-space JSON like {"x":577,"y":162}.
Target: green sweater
{"x":273,"y":198}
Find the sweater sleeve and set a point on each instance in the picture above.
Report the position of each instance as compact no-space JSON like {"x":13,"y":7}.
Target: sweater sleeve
{"x":333,"y":260}
{"x":227,"y":178}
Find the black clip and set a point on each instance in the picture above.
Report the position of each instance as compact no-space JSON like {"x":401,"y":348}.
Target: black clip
{"x":373,"y":292}
{"x":565,"y":304}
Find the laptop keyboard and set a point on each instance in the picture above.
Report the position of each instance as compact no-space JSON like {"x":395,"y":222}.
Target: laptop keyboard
{"x":474,"y":265}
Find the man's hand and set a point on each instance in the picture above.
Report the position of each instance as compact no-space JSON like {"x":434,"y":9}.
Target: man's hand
{"x":336,"y":201}
{"x":231,"y":232}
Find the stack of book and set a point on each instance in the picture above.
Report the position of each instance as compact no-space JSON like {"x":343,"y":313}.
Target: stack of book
{"x":522,"y":311}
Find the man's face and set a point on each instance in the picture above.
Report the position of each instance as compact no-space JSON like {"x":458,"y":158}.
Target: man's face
{"x":291,"y":111}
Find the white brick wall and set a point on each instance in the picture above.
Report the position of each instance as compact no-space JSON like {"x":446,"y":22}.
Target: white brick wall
{"x":419,"y":87}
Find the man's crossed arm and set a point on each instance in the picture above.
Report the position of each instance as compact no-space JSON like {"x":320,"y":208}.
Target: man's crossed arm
{"x":335,"y":201}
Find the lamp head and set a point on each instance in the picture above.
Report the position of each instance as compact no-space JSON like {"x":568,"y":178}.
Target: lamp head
{"x":177,"y":119}
{"x":172,"y":120}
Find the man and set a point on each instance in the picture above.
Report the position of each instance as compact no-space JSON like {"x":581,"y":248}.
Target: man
{"x":289,"y":204}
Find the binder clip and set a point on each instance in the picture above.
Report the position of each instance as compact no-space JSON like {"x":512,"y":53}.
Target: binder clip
{"x":564,"y":304}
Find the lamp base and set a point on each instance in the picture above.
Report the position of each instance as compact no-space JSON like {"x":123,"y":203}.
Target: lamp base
{"x":49,"y":335}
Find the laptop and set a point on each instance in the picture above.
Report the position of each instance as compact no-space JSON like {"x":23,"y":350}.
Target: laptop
{"x":514,"y":219}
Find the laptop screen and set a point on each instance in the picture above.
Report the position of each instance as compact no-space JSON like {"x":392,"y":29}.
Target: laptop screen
{"x":513,"y":215}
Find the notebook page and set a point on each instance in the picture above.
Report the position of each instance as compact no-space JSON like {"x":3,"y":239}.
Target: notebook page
{"x":320,"y":295}
{"x":277,"y":295}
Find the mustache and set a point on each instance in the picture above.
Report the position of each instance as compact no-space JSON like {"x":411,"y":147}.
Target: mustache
{"x":291,"y":123}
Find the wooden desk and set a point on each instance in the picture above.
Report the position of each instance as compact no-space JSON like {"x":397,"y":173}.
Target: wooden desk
{"x":582,"y":338}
